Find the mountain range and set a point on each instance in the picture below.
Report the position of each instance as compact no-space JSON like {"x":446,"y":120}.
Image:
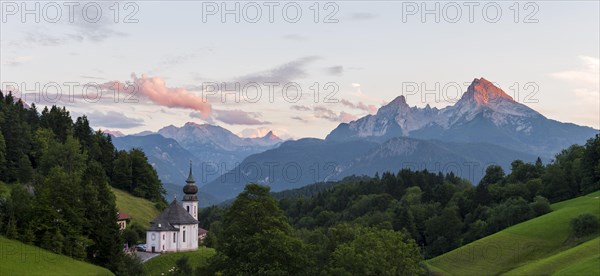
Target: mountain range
{"x":485,"y":126}
{"x":484,"y":114}
{"x":212,"y":150}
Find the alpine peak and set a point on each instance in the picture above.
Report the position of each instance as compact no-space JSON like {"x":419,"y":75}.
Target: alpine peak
{"x":483,"y":91}
{"x":271,"y":136}
{"x":400,"y":100}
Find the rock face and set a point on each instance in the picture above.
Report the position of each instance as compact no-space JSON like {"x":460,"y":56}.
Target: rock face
{"x":484,"y":113}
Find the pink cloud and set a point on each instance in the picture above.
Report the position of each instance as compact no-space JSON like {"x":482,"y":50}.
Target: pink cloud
{"x":156,"y":90}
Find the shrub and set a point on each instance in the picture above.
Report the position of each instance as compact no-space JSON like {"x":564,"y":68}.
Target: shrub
{"x":584,"y":225}
{"x":540,"y":206}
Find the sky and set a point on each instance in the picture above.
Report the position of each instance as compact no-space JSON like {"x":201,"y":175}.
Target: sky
{"x":298,"y":68}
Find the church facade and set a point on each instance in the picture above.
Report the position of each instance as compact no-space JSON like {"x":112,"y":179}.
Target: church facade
{"x":176,"y":228}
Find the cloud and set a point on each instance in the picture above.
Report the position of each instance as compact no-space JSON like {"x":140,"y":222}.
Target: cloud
{"x":156,"y":90}
{"x":360,"y":105}
{"x":300,"y":107}
{"x":37,"y":37}
{"x":586,"y":88}
{"x":585,"y":80}
{"x":284,"y":73}
{"x":239,"y":117}
{"x":335,"y":70}
{"x":112,"y":119}
{"x":587,"y":76}
{"x":299,"y":119}
{"x":75,"y":28}
{"x":328,"y":114}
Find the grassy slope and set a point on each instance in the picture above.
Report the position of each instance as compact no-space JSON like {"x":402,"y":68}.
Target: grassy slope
{"x":565,"y":260}
{"x":162,"y":263}
{"x":22,"y":259}
{"x":140,"y":210}
{"x":590,"y":267}
{"x":527,"y":244}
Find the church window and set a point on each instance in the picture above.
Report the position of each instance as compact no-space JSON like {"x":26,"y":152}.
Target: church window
{"x":183,"y":235}
{"x":163,"y":237}
{"x":174,"y":237}
{"x":188,"y":208}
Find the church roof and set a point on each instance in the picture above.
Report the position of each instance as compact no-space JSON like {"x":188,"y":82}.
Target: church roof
{"x":122,"y":216}
{"x":173,"y":215}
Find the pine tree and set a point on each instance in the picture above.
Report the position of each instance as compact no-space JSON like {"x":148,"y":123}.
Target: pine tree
{"x":25,"y":170}
{"x":107,"y":248}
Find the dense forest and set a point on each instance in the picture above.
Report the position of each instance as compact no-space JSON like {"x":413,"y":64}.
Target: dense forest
{"x":55,"y":178}
{"x":430,"y":213}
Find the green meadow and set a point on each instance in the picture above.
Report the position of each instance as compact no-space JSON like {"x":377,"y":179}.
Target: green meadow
{"x":140,"y":210}
{"x":165,"y":262}
{"x":17,"y":258}
{"x":540,"y":246}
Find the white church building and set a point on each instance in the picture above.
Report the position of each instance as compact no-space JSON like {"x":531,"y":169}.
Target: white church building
{"x":176,"y":228}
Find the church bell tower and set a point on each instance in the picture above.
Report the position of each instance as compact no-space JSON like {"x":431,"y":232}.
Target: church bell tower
{"x":190,"y":200}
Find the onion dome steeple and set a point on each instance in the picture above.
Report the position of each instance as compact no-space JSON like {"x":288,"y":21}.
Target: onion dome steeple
{"x":190,"y":178}
{"x":190,"y":189}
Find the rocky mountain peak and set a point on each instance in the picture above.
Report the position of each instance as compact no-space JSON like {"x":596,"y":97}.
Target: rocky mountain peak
{"x":482,"y":92}
{"x":271,"y":136}
{"x":396,"y":106}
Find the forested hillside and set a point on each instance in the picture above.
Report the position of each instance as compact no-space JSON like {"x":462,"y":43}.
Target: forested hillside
{"x":440,"y":212}
{"x":58,"y":173}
